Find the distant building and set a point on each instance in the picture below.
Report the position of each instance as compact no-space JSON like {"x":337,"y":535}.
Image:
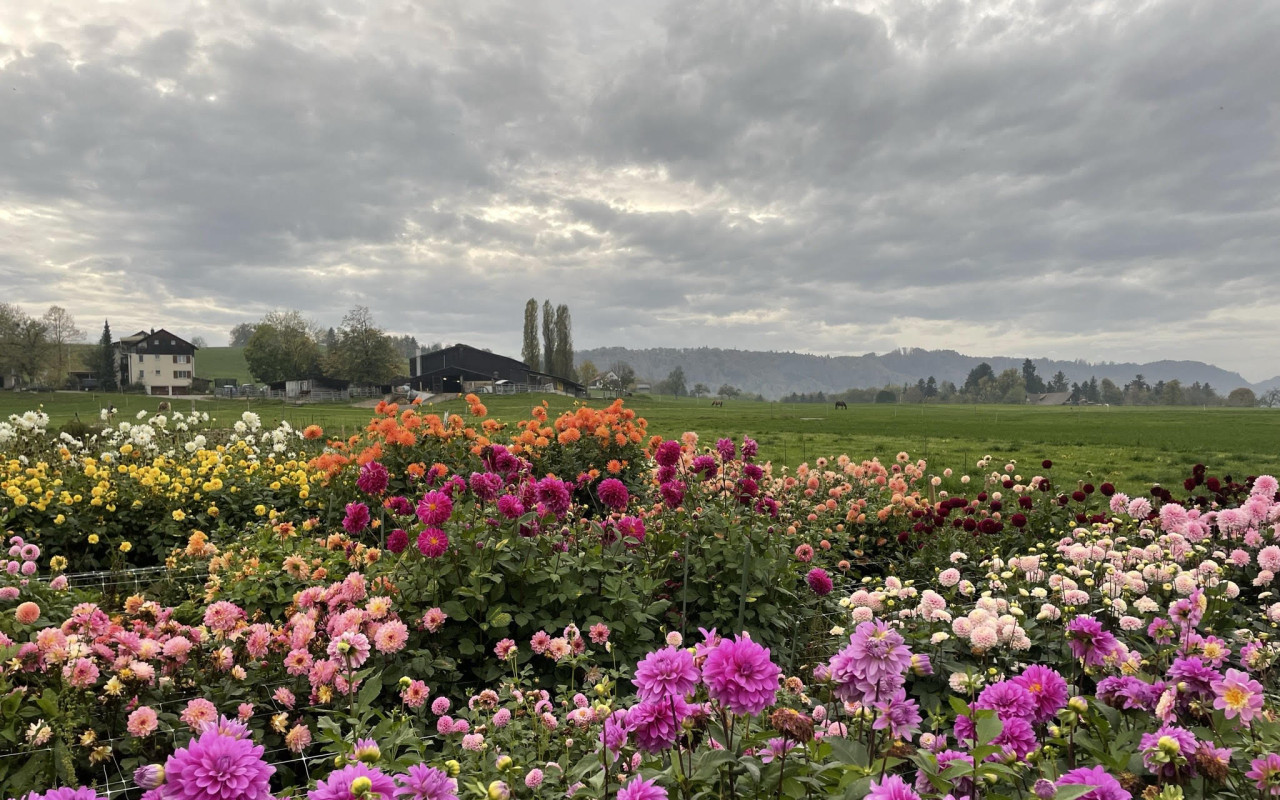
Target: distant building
{"x":161,"y":362}
{"x":1049,"y":399}
{"x":463,"y":368}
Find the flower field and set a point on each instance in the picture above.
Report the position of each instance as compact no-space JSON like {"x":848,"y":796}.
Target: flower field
{"x":450,"y":605}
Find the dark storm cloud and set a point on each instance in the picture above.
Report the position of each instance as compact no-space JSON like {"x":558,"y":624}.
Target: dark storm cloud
{"x":1070,"y":179}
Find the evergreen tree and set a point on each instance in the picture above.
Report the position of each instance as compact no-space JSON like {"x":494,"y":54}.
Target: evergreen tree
{"x":105,"y":365}
{"x":976,"y":376}
{"x":1034,"y":383}
{"x":564,"y":344}
{"x":530,"y":353}
{"x":548,"y":336}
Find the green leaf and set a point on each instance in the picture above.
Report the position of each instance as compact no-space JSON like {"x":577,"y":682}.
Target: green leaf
{"x":988,"y":728}
{"x":1072,"y":791}
{"x":369,"y":692}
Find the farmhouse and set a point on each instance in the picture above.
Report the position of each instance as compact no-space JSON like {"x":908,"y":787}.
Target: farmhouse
{"x":159,"y":361}
{"x":1049,"y":399}
{"x":463,"y":368}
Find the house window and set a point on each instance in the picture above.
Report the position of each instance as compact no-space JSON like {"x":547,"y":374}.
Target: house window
{"x":142,"y":373}
{"x":157,"y":372}
{"x":182,"y":359}
{"x":182,"y":373}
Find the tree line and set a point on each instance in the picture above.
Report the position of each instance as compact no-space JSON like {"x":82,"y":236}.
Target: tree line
{"x":36,"y":351}
{"x":285,"y":345}
{"x":1012,"y":386}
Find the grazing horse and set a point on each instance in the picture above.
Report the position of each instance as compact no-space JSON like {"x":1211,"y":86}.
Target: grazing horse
{"x":163,"y":407}
{"x":842,"y":404}
{"x":717,"y":404}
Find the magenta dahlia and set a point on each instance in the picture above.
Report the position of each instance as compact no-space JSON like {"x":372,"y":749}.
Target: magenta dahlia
{"x":665,"y":673}
{"x":740,"y":676}
{"x":218,"y":767}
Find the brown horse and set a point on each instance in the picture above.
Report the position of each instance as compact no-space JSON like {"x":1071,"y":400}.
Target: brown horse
{"x":717,"y":404}
{"x":842,"y":404}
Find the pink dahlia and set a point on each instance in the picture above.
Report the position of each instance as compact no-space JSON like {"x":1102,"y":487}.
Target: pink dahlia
{"x":433,"y":542}
{"x":67,"y":793}
{"x":1008,"y":699}
{"x":142,"y":721}
{"x":656,"y":723}
{"x":668,"y":453}
{"x":1237,"y":693}
{"x":426,"y":783}
{"x":397,"y":541}
{"x":872,"y":664}
{"x":435,"y":507}
{"x":554,"y":494}
{"x":218,"y":767}
{"x":1089,"y":641}
{"x":1048,"y":689}
{"x":338,"y":785}
{"x":819,"y":581}
{"x":356,"y":519}
{"x":892,"y":788}
{"x":373,"y":478}
{"x":1265,"y":772}
{"x":740,"y":676}
{"x":665,"y":673}
{"x":199,"y":713}
{"x":350,"y":649}
{"x":391,"y":636}
{"x":223,"y":616}
{"x":1106,"y":787}
{"x":613,"y":493}
{"x":641,"y":789}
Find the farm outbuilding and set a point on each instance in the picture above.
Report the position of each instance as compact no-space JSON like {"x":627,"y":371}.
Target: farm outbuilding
{"x":463,"y":368}
{"x":1049,"y":399}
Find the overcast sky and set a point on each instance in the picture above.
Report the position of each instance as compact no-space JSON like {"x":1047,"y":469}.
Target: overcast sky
{"x":1055,"y":178}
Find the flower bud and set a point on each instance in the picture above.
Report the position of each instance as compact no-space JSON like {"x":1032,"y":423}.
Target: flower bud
{"x":453,"y":767}
{"x":503,"y":762}
{"x":149,"y":776}
{"x":498,"y":790}
{"x":1078,"y":704}
{"x":361,"y":786}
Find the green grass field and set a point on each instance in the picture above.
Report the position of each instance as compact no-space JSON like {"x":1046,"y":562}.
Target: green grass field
{"x":1133,"y":447}
{"x":222,"y":362}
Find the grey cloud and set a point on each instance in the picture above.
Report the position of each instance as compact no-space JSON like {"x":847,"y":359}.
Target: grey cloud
{"x":797,"y":175}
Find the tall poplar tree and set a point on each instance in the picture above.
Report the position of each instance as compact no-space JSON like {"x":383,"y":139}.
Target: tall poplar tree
{"x":548,"y":336}
{"x":530,"y":351}
{"x":564,"y":343}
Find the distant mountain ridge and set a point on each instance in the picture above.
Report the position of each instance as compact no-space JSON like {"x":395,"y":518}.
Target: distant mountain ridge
{"x":777,"y":374}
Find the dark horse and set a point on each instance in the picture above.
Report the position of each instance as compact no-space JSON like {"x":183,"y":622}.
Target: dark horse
{"x":717,"y":403}
{"x":842,"y":404}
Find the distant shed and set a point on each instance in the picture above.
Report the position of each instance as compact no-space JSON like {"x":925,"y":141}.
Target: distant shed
{"x":1049,"y":399}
